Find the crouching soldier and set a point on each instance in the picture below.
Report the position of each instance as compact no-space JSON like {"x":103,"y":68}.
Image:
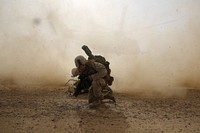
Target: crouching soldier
{"x":93,"y":73}
{"x":96,"y":77}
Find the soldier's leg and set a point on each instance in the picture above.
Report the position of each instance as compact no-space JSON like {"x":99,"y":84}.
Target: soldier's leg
{"x":91,"y":97}
{"x":95,"y":96}
{"x":97,"y":88}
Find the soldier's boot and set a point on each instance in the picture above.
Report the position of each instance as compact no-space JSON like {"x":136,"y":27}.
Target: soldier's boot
{"x":111,"y":97}
{"x":95,"y":104}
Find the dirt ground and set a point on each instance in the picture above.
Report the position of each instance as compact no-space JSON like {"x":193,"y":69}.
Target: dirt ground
{"x":49,"y":109}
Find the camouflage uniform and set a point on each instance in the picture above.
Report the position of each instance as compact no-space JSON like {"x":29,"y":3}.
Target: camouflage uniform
{"x":96,"y":70}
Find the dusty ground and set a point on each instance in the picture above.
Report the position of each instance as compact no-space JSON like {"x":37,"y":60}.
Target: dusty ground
{"x":41,"y":110}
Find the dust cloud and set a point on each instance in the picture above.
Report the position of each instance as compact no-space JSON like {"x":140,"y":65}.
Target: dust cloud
{"x":151,"y":46}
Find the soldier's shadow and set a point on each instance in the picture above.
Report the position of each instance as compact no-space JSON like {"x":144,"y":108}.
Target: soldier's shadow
{"x":103,"y":119}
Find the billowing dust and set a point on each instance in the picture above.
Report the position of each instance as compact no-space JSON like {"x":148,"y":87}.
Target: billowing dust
{"x":151,"y":46}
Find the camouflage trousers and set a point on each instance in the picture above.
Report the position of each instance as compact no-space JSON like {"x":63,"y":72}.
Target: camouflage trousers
{"x":95,"y":91}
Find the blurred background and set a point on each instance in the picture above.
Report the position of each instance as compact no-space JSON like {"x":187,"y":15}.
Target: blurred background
{"x":151,"y":45}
